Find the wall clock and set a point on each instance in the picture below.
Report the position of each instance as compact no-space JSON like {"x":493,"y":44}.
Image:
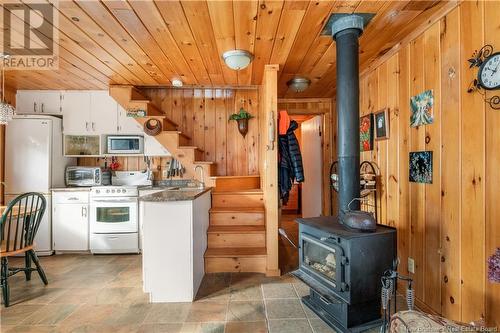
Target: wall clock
{"x":488,"y":75}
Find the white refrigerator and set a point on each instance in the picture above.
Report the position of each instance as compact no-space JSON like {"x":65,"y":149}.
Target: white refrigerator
{"x":34,"y":162}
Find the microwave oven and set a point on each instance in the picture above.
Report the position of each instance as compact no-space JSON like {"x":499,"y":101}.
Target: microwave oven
{"x":119,"y":144}
{"x":83,"y":176}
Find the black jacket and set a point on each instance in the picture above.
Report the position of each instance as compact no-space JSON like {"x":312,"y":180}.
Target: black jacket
{"x":290,"y":161}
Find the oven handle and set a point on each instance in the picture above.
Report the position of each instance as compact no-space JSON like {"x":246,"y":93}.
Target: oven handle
{"x":114,"y":200}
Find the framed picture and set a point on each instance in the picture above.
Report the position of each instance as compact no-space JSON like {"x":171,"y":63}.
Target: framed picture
{"x":422,"y":112}
{"x":381,"y":119}
{"x":366,"y":133}
{"x":421,"y":167}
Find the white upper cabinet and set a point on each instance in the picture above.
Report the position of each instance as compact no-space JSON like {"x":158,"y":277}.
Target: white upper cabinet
{"x":153,"y":147}
{"x":89,"y":112}
{"x":103,"y":113}
{"x":38,"y":102}
{"x":127,"y":125}
{"x":76,"y":106}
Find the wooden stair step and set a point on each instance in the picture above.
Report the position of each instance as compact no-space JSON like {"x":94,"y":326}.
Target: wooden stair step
{"x":137,"y":95}
{"x":197,"y":154}
{"x":237,"y":236}
{"x":229,"y":252}
{"x":259,"y":209}
{"x":237,"y":229}
{"x":237,"y":216}
{"x":232,"y":183}
{"x":244,"y":198}
{"x":219,"y":260}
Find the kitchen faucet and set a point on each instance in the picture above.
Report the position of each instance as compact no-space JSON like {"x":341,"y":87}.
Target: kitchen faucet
{"x":202,"y":182}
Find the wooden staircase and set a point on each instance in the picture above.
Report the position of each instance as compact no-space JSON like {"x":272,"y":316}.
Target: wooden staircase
{"x":237,"y":231}
{"x":176,"y":142}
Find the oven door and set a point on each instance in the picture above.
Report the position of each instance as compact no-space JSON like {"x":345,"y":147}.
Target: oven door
{"x":113,"y":215}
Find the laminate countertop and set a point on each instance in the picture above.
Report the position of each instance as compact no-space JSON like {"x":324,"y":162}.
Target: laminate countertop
{"x":175,"y":195}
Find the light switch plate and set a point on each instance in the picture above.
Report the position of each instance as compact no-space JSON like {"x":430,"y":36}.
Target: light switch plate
{"x":411,"y":265}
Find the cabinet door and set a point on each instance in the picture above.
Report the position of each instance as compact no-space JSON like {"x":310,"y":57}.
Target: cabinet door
{"x":26,"y":102}
{"x":71,"y":227}
{"x":103,"y":113}
{"x":49,"y":102}
{"x":127,"y":125}
{"x":76,"y":109}
{"x":154,"y":148}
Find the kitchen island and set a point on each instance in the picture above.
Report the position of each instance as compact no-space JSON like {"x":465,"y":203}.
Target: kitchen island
{"x":174,"y":227}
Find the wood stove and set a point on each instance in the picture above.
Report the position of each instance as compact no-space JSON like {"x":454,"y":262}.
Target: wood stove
{"x":343,"y":269}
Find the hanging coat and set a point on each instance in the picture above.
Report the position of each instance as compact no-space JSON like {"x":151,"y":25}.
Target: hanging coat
{"x":290,"y":167}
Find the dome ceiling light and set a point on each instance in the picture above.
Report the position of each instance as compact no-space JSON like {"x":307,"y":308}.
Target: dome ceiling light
{"x":298,"y":84}
{"x":237,"y":59}
{"x":177,"y":83}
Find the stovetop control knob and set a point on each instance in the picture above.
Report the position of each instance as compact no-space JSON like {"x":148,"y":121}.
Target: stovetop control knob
{"x":112,"y":191}
{"x":107,"y":191}
{"x":97,"y":191}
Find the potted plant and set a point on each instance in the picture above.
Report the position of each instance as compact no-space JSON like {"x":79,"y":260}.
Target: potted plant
{"x":242,"y":118}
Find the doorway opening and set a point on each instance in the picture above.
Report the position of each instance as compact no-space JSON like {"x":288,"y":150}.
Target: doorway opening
{"x":306,"y":198}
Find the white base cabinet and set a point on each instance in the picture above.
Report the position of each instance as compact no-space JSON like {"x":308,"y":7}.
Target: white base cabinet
{"x":174,"y":241}
{"x":70,"y":221}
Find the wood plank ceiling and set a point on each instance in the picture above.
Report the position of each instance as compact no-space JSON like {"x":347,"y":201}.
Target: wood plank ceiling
{"x":149,"y":43}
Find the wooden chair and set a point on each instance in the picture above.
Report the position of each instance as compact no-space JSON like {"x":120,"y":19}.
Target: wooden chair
{"x":19,"y":224}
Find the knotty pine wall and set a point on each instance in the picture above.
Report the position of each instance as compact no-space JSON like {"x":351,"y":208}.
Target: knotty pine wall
{"x":203,"y":115}
{"x":451,"y":226}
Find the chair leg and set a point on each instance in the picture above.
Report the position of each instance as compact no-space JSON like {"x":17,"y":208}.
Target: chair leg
{"x":38,"y":266}
{"x":4,"y":281}
{"x":27,"y":260}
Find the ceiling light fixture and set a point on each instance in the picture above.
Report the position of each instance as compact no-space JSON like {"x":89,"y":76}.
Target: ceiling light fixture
{"x":298,"y":83}
{"x":7,"y":111}
{"x":177,"y":83}
{"x":237,"y":59}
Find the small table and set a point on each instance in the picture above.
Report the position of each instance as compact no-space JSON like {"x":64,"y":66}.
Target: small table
{"x":15,"y":211}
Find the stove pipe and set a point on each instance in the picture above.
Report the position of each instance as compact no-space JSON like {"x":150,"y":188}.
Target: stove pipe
{"x":345,"y":32}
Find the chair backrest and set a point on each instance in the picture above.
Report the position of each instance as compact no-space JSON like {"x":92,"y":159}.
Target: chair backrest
{"x":20,"y":221}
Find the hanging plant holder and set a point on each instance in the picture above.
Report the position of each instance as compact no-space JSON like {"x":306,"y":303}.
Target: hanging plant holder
{"x":243,"y":126}
{"x":242,"y":118}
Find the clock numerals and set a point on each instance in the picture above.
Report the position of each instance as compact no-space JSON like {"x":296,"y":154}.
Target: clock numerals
{"x":489,"y":72}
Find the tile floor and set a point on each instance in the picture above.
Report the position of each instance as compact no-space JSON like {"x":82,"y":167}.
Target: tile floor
{"x":104,"y":294}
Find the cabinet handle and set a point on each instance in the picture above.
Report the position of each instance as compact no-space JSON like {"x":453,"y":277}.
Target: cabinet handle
{"x":34,"y":106}
{"x":87,"y":126}
{"x":73,"y":198}
{"x":84,"y":211}
{"x":43,"y":108}
{"x":93,"y":126}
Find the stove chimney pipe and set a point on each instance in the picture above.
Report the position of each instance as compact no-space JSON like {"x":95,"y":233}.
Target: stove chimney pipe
{"x":345,"y":32}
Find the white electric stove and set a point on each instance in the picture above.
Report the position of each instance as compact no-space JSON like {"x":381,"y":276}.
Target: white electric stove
{"x":114,"y":214}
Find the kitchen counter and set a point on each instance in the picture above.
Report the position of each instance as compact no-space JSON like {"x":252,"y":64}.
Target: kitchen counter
{"x":182,"y":194}
{"x":71,"y":189}
{"x":173,"y":228}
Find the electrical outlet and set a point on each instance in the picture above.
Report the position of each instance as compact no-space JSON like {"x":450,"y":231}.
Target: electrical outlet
{"x":411,"y":265}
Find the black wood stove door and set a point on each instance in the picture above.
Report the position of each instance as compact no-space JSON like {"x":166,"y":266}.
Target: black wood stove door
{"x":323,"y":261}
